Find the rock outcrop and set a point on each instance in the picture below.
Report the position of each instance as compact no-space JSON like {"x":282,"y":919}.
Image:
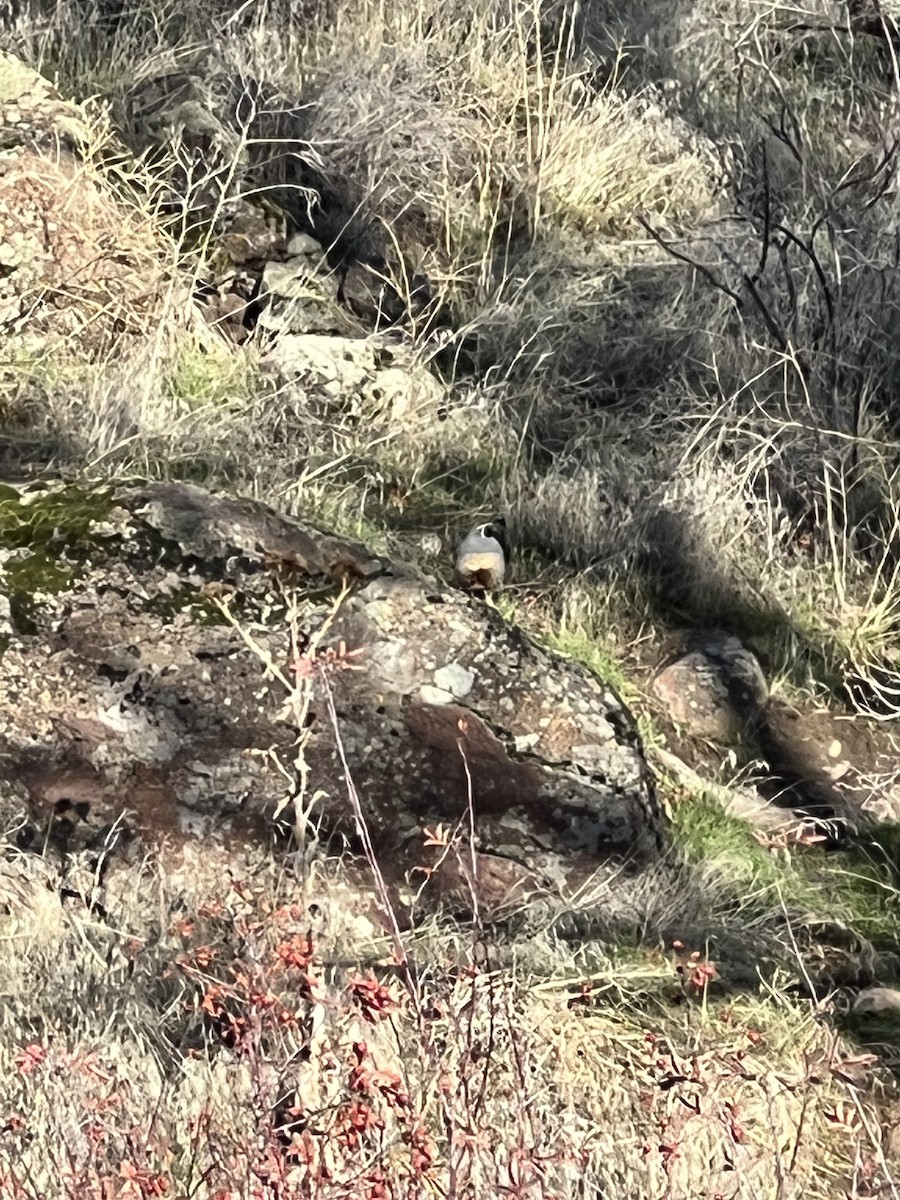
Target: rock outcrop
{"x":834,"y":771}
{"x":242,"y":158}
{"x":185,"y":664}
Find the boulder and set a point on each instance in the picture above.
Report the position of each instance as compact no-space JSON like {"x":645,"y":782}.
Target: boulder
{"x":183,"y":664}
{"x":878,"y":1000}
{"x":366,"y":379}
{"x":715,"y":690}
{"x":299,"y":293}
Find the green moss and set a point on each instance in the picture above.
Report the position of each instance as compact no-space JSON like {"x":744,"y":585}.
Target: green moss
{"x":52,"y":519}
{"x":26,"y":580}
{"x":56,"y":530}
{"x":872,"y":1030}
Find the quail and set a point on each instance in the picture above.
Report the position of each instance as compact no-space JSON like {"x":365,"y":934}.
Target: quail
{"x":481,"y":556}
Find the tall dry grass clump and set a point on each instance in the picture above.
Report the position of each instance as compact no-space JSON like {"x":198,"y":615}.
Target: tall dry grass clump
{"x":648,"y":254}
{"x":658,"y":246}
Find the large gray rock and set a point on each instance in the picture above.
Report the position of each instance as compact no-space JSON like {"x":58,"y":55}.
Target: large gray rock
{"x":362,"y":378}
{"x":128,"y":698}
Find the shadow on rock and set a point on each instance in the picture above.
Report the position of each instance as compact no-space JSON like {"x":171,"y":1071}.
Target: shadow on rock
{"x":211,"y":662}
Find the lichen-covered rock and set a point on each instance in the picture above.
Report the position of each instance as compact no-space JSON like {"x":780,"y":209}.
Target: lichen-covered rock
{"x":362,"y":378}
{"x":299,"y":293}
{"x":878,"y":1000}
{"x":127,"y":699}
{"x":466,"y":697}
{"x":715,"y":691}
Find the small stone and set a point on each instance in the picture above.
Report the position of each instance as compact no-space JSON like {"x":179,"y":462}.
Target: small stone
{"x":303,"y":244}
{"x":456,"y":679}
{"x":525,"y":741}
{"x":877,"y":1000}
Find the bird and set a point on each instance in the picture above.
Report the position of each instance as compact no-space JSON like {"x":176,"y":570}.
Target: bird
{"x":481,"y":556}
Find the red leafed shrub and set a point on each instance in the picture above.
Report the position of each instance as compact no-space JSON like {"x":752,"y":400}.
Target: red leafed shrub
{"x":373,"y":998}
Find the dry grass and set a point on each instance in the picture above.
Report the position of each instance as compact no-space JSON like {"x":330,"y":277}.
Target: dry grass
{"x":661,"y":243}
{"x":221,"y":1035}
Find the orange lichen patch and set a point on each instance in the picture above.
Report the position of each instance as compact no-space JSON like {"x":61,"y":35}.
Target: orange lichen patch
{"x":557,"y":729}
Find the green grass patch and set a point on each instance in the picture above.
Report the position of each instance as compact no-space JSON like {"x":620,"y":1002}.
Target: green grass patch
{"x":205,"y":374}
{"x":597,"y":658}
{"x":855,"y":887}
{"x":861,"y":883}
{"x":706,"y":834}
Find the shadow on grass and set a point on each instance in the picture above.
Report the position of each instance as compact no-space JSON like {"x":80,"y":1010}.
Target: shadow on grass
{"x":808,"y":925}
{"x":691,"y":595}
{"x":824,"y":914}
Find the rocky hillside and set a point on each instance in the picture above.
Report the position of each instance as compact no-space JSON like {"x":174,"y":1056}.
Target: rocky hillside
{"x":322,"y":872}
